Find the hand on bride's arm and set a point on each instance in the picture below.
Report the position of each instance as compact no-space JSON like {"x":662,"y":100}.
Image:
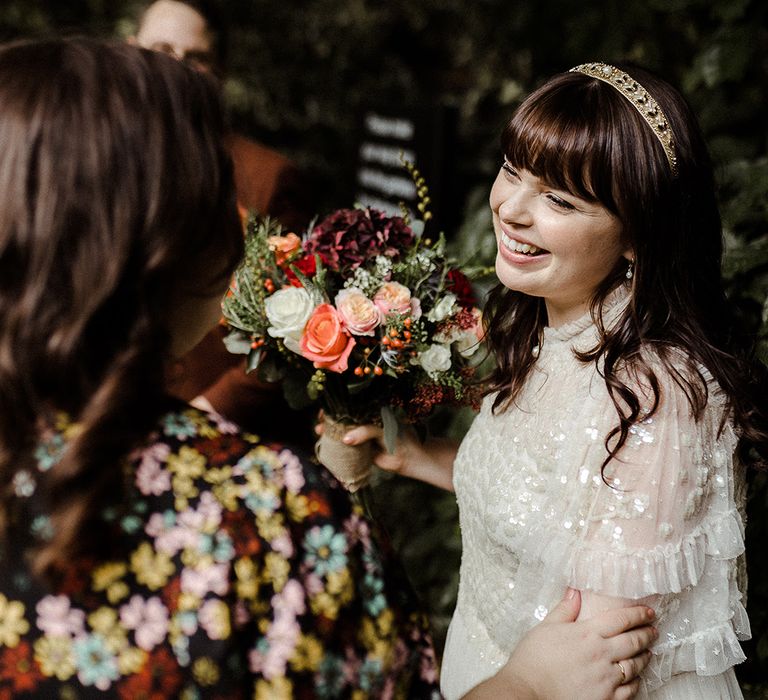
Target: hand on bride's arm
{"x":561,"y":659}
{"x":430,"y":461}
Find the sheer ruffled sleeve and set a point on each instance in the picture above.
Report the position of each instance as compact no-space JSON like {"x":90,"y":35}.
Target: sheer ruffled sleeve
{"x":667,"y":528}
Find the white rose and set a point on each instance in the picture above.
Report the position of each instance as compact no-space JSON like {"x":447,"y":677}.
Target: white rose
{"x":466,"y":341}
{"x":435,"y":359}
{"x":443,"y":309}
{"x":288,"y":310}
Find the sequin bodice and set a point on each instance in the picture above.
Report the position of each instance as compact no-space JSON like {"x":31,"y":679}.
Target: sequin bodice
{"x":537,"y":516}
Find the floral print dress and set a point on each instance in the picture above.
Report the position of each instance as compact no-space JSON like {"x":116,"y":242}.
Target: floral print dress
{"x":244,"y":572}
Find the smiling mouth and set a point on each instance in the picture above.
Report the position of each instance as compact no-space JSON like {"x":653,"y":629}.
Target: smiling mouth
{"x":518,"y":247}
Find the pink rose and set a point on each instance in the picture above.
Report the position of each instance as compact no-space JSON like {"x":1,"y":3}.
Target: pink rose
{"x":325,"y":341}
{"x":358,"y":313}
{"x":393,"y":297}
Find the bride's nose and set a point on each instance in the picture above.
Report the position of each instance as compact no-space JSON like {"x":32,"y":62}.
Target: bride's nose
{"x":515,"y":208}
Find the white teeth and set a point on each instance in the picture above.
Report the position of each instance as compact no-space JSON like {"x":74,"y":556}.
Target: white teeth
{"x":518,"y":247}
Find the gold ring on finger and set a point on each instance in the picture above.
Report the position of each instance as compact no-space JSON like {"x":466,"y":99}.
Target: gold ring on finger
{"x":623,"y":672}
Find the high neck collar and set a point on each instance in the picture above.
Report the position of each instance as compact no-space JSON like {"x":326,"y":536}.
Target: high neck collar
{"x":614,"y":304}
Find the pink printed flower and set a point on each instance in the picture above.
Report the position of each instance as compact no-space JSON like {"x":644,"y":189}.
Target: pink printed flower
{"x":148,"y":619}
{"x":325,"y":341}
{"x":393,"y":297}
{"x":152,"y":478}
{"x":56,"y":617}
{"x":358,"y":313}
{"x":293,"y":472}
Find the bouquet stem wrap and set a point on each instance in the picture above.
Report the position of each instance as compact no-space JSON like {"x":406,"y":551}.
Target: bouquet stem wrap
{"x":350,"y":464}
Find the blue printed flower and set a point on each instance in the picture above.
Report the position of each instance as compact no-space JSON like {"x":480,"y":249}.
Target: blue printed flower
{"x":325,"y":550}
{"x":50,"y":452}
{"x":179,"y":426}
{"x":370,"y":675}
{"x":262,"y":503}
{"x":329,"y":681}
{"x":96,"y":665}
{"x":375,"y":601}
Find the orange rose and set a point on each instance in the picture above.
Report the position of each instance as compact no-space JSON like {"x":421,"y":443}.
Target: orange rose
{"x":325,"y":341}
{"x":284,"y":246}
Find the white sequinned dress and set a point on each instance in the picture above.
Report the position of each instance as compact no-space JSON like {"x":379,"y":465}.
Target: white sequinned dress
{"x":536,"y":517}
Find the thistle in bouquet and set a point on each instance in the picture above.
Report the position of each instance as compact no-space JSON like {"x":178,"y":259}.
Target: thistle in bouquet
{"x":364,"y":316}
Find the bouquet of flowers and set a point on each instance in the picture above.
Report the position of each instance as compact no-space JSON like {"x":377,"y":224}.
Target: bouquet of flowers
{"x":364,"y":316}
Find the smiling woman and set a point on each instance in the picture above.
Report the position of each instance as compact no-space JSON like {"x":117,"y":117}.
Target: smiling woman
{"x":607,"y":455}
{"x":553,"y":244}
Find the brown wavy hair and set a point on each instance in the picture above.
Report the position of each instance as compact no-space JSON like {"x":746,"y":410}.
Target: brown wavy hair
{"x":581,"y":135}
{"x":116,"y":201}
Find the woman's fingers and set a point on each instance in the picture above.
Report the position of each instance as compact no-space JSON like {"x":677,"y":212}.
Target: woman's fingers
{"x":363,"y":433}
{"x":627,"y":691}
{"x":632,"y":668}
{"x":613,"y":622}
{"x":630,"y":644}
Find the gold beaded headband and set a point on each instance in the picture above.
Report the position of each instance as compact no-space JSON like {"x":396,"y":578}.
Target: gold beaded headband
{"x":640,"y":99}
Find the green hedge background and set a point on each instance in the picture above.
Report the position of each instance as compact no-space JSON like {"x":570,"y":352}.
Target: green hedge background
{"x":299,"y":72}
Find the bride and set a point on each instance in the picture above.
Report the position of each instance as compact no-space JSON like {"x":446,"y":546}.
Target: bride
{"x":604,"y":457}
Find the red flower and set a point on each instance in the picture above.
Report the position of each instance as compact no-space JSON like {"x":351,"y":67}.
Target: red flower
{"x":348,"y":237}
{"x":158,"y":679}
{"x":18,"y":666}
{"x":306,"y":265}
{"x":458,"y":283}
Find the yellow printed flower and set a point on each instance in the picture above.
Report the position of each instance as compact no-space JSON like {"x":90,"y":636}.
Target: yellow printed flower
{"x":55,"y":657}
{"x":308,"y":654}
{"x":117,"y":591}
{"x":187,"y":464}
{"x":12,"y":622}
{"x":188,"y":601}
{"x":324,"y":604}
{"x":339,"y":583}
{"x":379,"y":648}
{"x":131,"y":660}
{"x":206,"y":671}
{"x":105,"y":575}
{"x":195,"y":559}
{"x":276,"y":570}
{"x":104,"y":621}
{"x":384,"y":621}
{"x":218,"y":475}
{"x":152,"y":569}
{"x":298,"y":506}
{"x":247,"y":578}
{"x":228,"y":494}
{"x":271,"y":527}
{"x":277,"y":689}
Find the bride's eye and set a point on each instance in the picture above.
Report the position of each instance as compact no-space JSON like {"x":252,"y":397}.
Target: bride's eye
{"x":560,"y":203}
{"x":509,"y":170}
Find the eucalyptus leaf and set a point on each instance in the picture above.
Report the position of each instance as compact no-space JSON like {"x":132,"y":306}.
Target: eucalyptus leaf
{"x":391,"y":428}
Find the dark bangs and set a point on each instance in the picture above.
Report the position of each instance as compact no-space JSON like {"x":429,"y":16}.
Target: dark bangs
{"x":569,"y":134}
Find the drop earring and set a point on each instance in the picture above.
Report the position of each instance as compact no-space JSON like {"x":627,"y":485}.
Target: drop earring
{"x":630,"y":270}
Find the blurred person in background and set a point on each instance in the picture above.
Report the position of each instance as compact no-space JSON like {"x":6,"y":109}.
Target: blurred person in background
{"x":267,"y":183}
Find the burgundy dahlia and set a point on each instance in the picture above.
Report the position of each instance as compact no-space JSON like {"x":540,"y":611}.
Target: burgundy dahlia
{"x":348,"y":237}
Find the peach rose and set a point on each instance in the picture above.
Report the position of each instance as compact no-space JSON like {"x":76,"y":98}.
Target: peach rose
{"x":358,"y":313}
{"x":393,"y":297}
{"x":284,"y":246}
{"x":325,"y":341}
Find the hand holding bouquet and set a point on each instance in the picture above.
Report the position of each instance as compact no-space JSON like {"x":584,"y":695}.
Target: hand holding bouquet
{"x":364,"y":317}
